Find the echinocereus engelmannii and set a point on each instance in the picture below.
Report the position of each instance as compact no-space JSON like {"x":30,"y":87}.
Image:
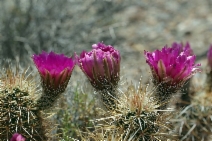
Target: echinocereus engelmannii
{"x":18,"y":107}
{"x":55,"y":71}
{"x":171,"y":67}
{"x":102,"y":67}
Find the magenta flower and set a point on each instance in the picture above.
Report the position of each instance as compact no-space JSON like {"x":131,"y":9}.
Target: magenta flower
{"x":55,"y":70}
{"x":101,"y":65}
{"x":209,"y":56}
{"x":17,"y":137}
{"x":174,"y":64}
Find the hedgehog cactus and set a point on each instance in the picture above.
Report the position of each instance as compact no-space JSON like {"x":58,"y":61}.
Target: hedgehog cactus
{"x":194,"y":122}
{"x":135,"y":115}
{"x":18,"y":111}
{"x":171,"y":68}
{"x":140,"y":119}
{"x":102,"y":68}
{"x":135,"y":118}
{"x":55,"y":71}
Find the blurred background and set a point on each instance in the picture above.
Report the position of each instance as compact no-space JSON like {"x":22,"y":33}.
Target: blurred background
{"x":131,"y":26}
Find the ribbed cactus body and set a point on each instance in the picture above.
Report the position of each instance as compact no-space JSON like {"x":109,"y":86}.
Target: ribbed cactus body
{"x":194,"y":122}
{"x":134,"y":118}
{"x":18,"y":111}
{"x":139,"y":127}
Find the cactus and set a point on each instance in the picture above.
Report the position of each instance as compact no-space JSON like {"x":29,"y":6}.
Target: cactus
{"x":18,"y":111}
{"x":171,"y":68}
{"x":135,"y":118}
{"x":55,"y":71}
{"x":194,"y":121}
{"x":20,"y":108}
{"x":140,"y":119}
{"x":102,"y":67}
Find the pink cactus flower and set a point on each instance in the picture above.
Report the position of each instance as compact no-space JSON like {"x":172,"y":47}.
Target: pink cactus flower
{"x":174,"y":64}
{"x":101,"y":65}
{"x":209,"y":56}
{"x":55,"y":70}
{"x":17,"y":137}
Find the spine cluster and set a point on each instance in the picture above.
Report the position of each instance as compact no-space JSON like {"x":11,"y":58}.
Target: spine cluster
{"x":18,"y":110}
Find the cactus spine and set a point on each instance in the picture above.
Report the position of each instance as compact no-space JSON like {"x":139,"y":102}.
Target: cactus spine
{"x":18,"y":110}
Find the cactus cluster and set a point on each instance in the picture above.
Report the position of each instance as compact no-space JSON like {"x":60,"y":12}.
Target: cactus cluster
{"x":128,"y":113}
